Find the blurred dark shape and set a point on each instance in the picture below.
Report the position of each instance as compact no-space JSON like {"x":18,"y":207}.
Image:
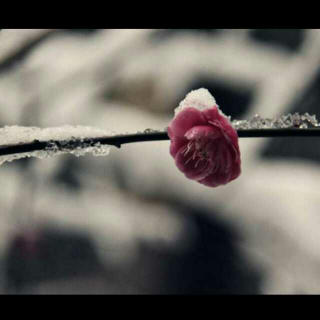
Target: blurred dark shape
{"x":86,"y":32}
{"x":139,"y":92}
{"x":211,"y":265}
{"x":232,"y":101}
{"x":22,"y":164}
{"x":160,"y":35}
{"x":299,"y":148}
{"x":15,"y":58}
{"x":68,"y":174}
{"x":48,"y":254}
{"x":290,"y":39}
{"x":120,"y":177}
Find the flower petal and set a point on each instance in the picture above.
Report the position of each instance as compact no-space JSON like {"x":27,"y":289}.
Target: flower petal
{"x":199,"y":132}
{"x":185,"y":120}
{"x":176,"y":144}
{"x":212,"y":114}
{"x":191,"y":167}
{"x":236,"y":171}
{"x":216,"y":179}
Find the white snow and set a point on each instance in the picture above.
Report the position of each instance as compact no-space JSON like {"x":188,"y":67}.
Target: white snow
{"x":12,"y":135}
{"x":200,"y":99}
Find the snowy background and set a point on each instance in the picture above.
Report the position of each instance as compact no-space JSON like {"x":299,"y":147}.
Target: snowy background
{"x":130,"y":222}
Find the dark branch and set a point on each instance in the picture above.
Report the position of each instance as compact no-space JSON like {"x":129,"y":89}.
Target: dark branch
{"x":119,"y":140}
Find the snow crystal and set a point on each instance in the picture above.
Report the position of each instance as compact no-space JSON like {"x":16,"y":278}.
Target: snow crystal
{"x":200,"y":99}
{"x":75,"y":140}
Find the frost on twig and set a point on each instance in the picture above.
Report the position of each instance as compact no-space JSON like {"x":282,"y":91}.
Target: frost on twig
{"x":76,"y":140}
{"x":20,"y":142}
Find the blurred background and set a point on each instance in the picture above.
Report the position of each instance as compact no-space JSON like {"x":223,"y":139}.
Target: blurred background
{"x":130,"y":222}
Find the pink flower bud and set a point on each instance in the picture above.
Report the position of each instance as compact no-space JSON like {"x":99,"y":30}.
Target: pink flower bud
{"x":203,"y":142}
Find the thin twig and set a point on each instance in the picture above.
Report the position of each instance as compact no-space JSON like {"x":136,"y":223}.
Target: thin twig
{"x":119,"y":140}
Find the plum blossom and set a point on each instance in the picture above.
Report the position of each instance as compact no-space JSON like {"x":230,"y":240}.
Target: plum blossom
{"x":204,"y":144}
